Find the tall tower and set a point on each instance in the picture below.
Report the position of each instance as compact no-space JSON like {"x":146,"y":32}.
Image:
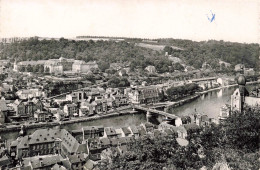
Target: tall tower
{"x":238,"y":97}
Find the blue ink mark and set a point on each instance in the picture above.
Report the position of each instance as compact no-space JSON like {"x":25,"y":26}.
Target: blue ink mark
{"x":212,"y":17}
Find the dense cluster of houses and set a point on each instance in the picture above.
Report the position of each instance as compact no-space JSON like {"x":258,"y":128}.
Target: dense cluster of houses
{"x":84,"y":148}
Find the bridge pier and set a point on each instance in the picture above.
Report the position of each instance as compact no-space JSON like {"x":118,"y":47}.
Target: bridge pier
{"x":148,"y":116}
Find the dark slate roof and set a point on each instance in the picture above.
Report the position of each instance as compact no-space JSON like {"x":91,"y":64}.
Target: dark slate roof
{"x":126,"y":130}
{"x":110,"y":131}
{"x":76,"y":158}
{"x":42,"y":161}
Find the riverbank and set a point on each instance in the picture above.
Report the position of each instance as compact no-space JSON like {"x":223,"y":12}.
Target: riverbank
{"x":181,"y":102}
{"x":17,"y":128}
{"x":222,"y":87}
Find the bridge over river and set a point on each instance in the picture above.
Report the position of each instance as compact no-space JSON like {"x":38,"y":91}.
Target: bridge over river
{"x":157,"y":116}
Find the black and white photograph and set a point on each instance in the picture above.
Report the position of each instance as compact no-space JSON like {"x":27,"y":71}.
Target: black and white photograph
{"x":129,"y":85}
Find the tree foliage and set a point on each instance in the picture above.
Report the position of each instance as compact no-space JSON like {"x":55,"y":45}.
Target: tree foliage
{"x":176,"y":92}
{"x":118,"y":82}
{"x":233,"y":143}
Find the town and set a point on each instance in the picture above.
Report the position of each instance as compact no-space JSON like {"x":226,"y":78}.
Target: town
{"x":42,"y":100}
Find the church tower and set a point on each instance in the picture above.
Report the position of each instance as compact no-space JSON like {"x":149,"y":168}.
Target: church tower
{"x":238,"y":97}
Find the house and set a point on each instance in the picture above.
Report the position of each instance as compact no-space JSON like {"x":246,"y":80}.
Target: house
{"x":224,"y":63}
{"x":83,"y":112}
{"x":120,"y":100}
{"x":223,"y":81}
{"x":105,"y":143}
{"x":239,"y":67}
{"x":126,"y":132}
{"x":249,"y":72}
{"x":134,"y":131}
{"x":88,"y":132}
{"x":5,"y":162}
{"x":58,"y":114}
{"x":29,"y":93}
{"x":41,"y":162}
{"x":149,"y":127}
{"x":122,"y":72}
{"x":77,"y":161}
{"x":2,"y":117}
{"x":42,"y":116}
{"x":116,"y":66}
{"x":110,"y":133}
{"x":150,"y":69}
{"x":72,"y":97}
{"x":141,"y":130}
{"x":100,"y":106}
{"x":70,"y":110}
{"x":95,"y":149}
{"x":89,"y":165}
{"x":27,"y":108}
{"x":3,"y":111}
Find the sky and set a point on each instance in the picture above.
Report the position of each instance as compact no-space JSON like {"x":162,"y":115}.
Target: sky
{"x":235,"y":20}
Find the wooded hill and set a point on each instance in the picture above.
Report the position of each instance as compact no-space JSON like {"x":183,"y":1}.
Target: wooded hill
{"x":194,"y":53}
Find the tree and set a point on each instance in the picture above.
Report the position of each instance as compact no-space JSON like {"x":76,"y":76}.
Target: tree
{"x":36,"y":68}
{"x":29,"y":68}
{"x":47,"y":70}
{"x":103,"y":65}
{"x":21,"y":69}
{"x":41,"y":69}
{"x":168,"y":49}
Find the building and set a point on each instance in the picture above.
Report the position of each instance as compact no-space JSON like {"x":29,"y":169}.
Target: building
{"x":238,"y":97}
{"x":77,"y":161}
{"x":144,"y":95}
{"x":41,"y":162}
{"x":53,"y":66}
{"x":27,"y":108}
{"x":3,"y":111}
{"x":150,"y":69}
{"x":42,"y":116}
{"x":45,"y":142}
{"x":120,"y":100}
{"x":239,"y":67}
{"x":29,"y":93}
{"x":25,"y":64}
{"x":241,"y":97}
{"x":80,"y":66}
{"x":88,"y":132}
{"x":70,"y":110}
{"x":110,"y":133}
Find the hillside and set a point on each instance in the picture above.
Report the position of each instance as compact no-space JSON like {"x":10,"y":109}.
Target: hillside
{"x":193,"y":53}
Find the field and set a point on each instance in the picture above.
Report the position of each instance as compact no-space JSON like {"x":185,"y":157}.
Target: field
{"x":155,"y":47}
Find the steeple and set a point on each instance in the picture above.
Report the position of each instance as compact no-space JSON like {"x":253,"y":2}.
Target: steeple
{"x":238,"y":97}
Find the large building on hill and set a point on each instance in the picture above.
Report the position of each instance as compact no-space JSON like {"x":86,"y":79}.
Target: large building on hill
{"x":80,"y":66}
{"x":58,"y":66}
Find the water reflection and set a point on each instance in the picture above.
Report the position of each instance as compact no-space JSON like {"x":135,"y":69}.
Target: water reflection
{"x":209,"y":103}
{"x":219,"y":93}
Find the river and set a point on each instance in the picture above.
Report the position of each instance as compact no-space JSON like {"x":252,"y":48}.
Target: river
{"x":208,"y":103}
